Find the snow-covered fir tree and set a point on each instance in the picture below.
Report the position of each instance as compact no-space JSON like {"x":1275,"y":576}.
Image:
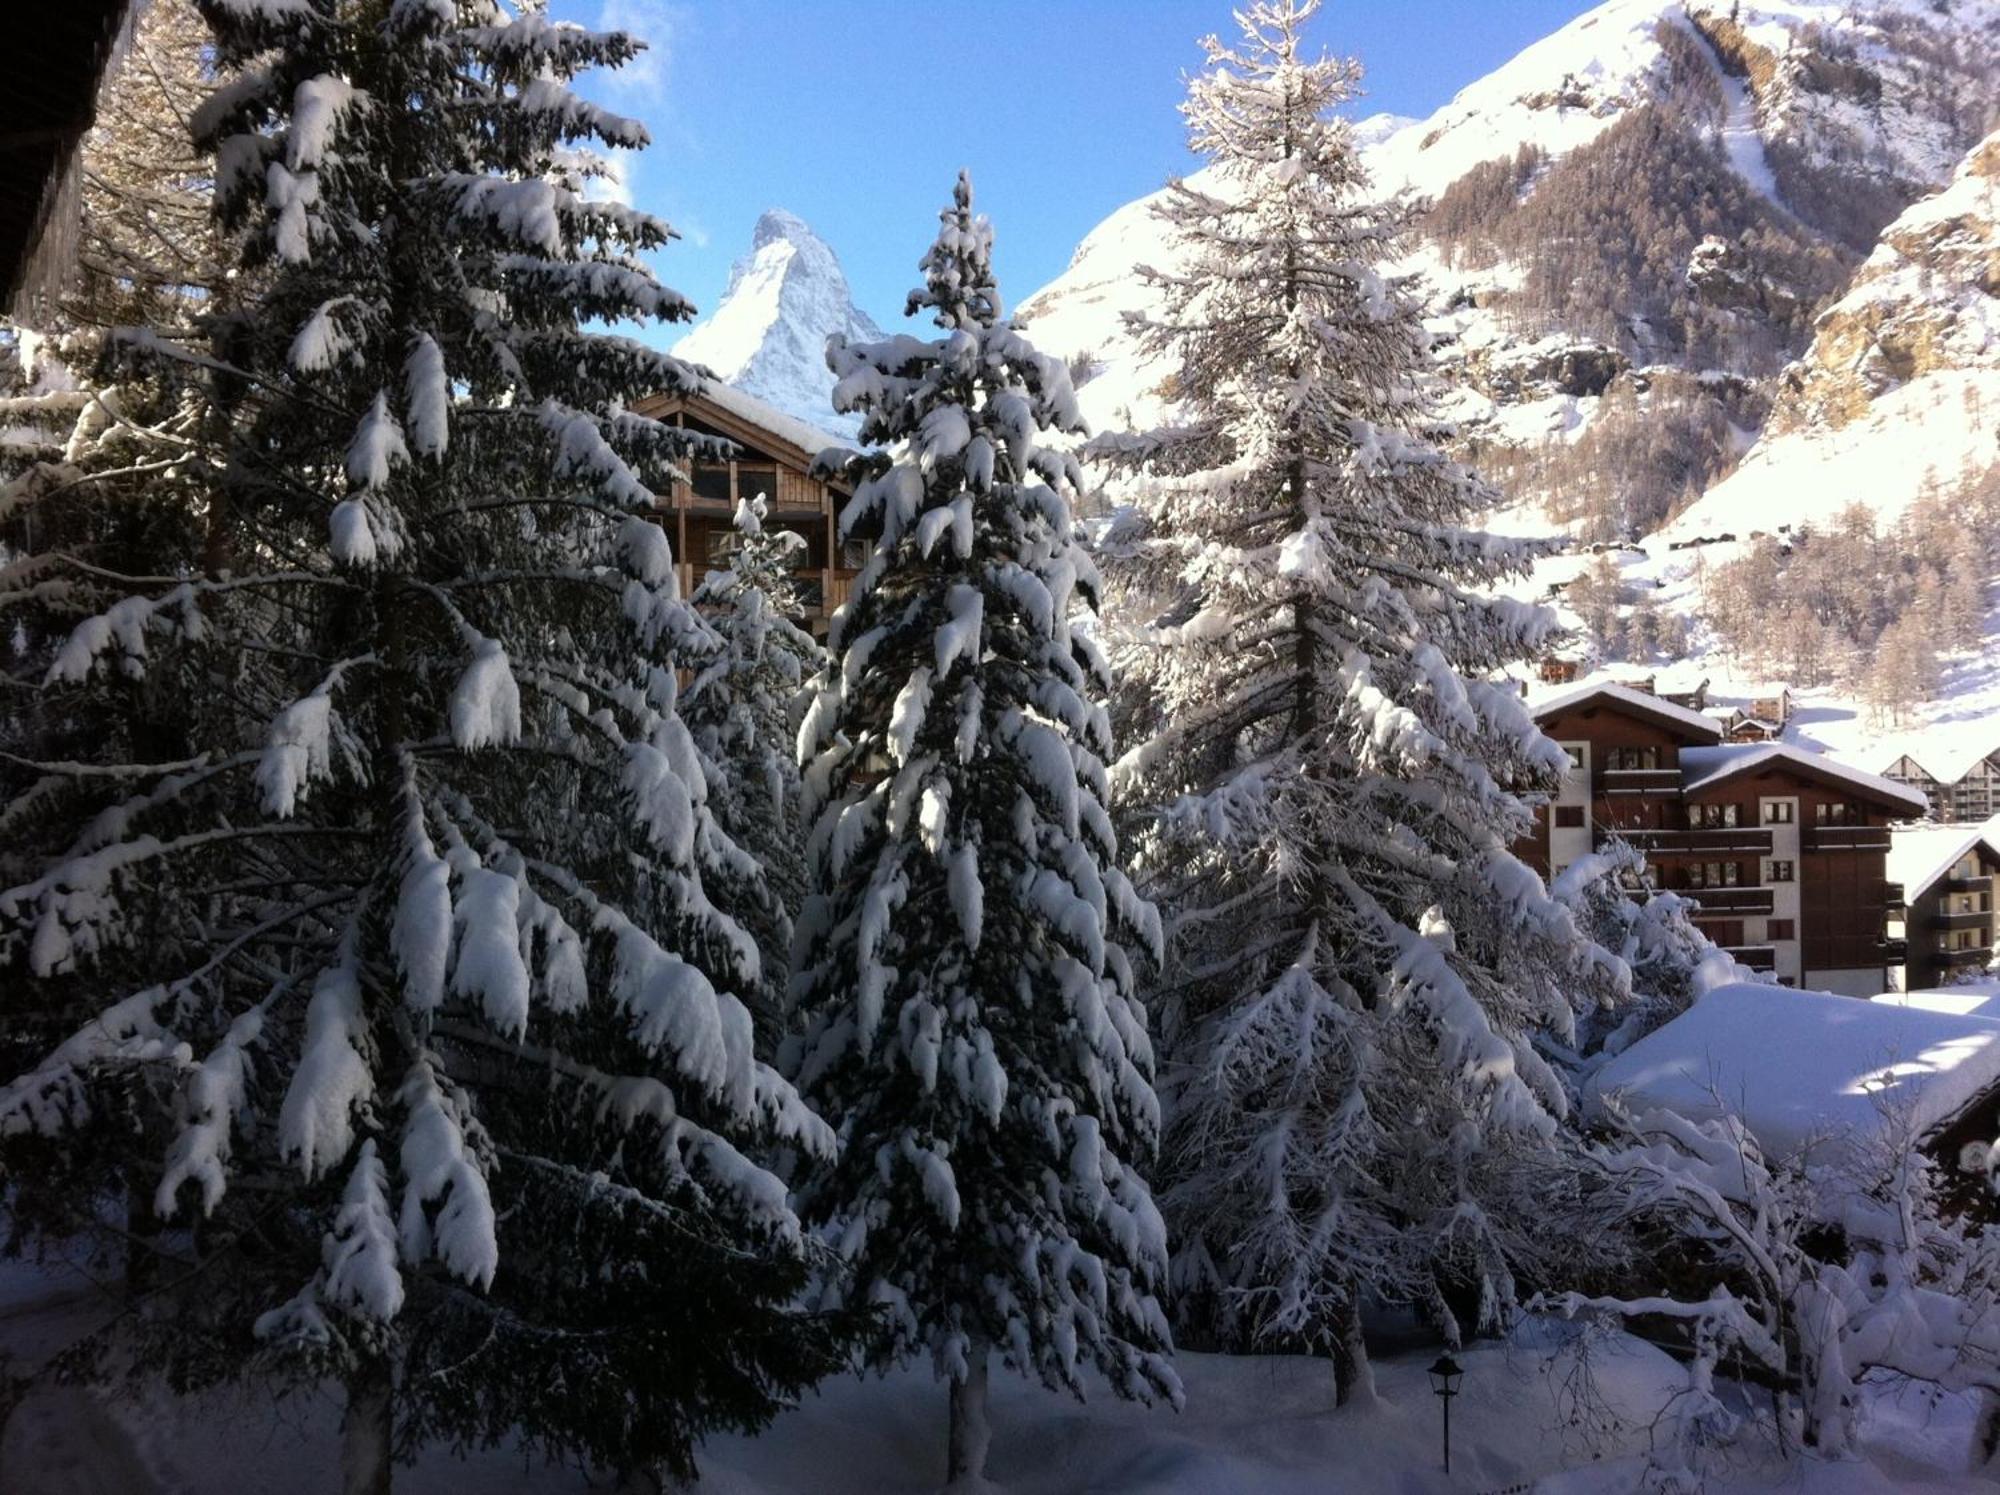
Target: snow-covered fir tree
{"x":392,"y":976}
{"x":1332,"y":774}
{"x":964,"y":966}
{"x":1667,"y":960}
{"x":743,"y":709}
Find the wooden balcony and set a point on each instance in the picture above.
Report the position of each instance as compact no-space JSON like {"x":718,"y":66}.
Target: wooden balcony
{"x":1729,"y":900}
{"x":1976,"y":919}
{"x":1892,"y":897}
{"x":1642,"y":781}
{"x":1895,"y":951}
{"x":1847,"y":838}
{"x":1968,"y":884}
{"x":1757,"y":957}
{"x":1689,"y":843}
{"x":1955,"y":959}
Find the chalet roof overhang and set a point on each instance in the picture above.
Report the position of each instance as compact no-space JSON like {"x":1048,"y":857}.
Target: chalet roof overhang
{"x":733,"y":422}
{"x":1779,"y":762}
{"x":1677,"y":721}
{"x":53,"y":66}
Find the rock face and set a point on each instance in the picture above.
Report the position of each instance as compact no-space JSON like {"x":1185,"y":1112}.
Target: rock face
{"x":767,"y":336}
{"x":1925,"y":304}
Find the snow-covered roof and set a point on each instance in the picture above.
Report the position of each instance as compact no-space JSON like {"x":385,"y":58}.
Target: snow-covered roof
{"x":1972,"y":999}
{"x":1703,"y":766}
{"x":1946,"y":756}
{"x":1851,"y":1069}
{"x":1629,"y":699}
{"x":746,"y":407}
{"x":1920,"y":854}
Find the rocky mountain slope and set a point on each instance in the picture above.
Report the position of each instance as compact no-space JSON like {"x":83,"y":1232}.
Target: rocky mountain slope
{"x":1707,"y":280}
{"x":767,"y":336}
{"x":1626,"y":232}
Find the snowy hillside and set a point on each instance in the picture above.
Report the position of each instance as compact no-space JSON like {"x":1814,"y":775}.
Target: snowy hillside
{"x":1714,"y":170}
{"x":768,"y":334}
{"x":1692,"y":269}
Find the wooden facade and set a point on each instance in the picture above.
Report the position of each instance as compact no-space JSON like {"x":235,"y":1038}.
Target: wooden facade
{"x":770,"y":459}
{"x":1784,"y":853}
{"x":1949,"y":924}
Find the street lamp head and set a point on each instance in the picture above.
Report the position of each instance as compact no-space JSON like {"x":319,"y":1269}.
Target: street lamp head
{"x":1445,"y":1376}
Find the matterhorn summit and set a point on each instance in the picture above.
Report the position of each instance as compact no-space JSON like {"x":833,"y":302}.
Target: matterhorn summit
{"x":768,"y":335}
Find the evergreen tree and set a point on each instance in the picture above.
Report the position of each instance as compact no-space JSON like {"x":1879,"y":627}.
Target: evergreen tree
{"x":962,"y":966}
{"x":743,"y":711}
{"x":429,"y":1037}
{"x":1334,"y":774}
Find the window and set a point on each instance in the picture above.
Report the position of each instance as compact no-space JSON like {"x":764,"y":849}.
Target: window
{"x":1569,"y":817}
{"x":711,"y":481}
{"x":1835,"y":814}
{"x":1575,"y":751}
{"x":1632,"y":757}
{"x":1779,"y":872}
{"x":1778,"y":811}
{"x":1781,"y":929}
{"x":1712,"y":875}
{"x":1712,"y":817}
{"x":753,"y":480}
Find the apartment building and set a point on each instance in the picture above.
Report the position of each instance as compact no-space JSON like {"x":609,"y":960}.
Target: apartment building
{"x":1947,"y":873}
{"x":773,"y":457}
{"x":1784,"y":851}
{"x":1962,"y":781}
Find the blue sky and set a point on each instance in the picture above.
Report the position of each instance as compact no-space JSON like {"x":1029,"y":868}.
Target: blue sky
{"x":857,"y":114}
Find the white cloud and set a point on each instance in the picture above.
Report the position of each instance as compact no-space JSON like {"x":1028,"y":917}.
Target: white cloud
{"x":653,"y":22}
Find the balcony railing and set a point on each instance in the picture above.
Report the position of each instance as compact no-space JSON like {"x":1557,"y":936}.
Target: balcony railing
{"x":1968,"y":884}
{"x":1730,"y":900}
{"x":1892,"y":897}
{"x":1847,"y":838}
{"x":1757,"y":957}
{"x":1895,"y":951}
{"x":1976,"y":919}
{"x":1979,"y":956}
{"x":1642,"y":781}
{"x":1727,"y":838}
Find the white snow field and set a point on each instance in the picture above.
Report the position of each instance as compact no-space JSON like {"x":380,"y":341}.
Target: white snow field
{"x":1528,"y":1419}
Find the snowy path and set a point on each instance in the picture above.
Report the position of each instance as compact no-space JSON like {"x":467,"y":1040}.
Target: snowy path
{"x":1740,"y":140}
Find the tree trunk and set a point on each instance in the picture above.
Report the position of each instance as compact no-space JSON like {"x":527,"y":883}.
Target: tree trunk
{"x":971,"y":1432}
{"x":1353,"y":1375}
{"x":366,"y":1427}
{"x":1987,"y":1431}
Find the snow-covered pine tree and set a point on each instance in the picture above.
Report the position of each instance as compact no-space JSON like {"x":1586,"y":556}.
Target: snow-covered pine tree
{"x":743,"y":710}
{"x":962,"y":965}
{"x":1667,"y":960}
{"x":1333,"y":775}
{"x":427,"y":1036}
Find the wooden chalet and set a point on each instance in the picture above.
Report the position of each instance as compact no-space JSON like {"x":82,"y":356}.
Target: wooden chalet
{"x":1782,"y":850}
{"x":1947,"y":873}
{"x":773,"y":457}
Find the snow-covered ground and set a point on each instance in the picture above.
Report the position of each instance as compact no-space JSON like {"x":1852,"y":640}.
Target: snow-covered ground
{"x":1531,"y":1416}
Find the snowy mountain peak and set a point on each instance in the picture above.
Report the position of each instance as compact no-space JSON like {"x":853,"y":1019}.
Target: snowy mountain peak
{"x":768,"y":334}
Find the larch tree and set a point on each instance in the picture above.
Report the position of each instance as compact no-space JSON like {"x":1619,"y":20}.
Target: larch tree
{"x":1333,"y":772}
{"x":396,"y":982}
{"x":743,"y":709}
{"x":964,"y":965}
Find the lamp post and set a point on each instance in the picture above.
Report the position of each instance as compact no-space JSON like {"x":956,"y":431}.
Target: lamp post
{"x":1445,"y":1376}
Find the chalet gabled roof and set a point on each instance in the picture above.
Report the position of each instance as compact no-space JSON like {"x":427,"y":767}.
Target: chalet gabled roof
{"x":1946,"y":756}
{"x":1690,"y":726}
{"x":1921,"y":854}
{"x":748,"y":419}
{"x":1704,"y":767}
